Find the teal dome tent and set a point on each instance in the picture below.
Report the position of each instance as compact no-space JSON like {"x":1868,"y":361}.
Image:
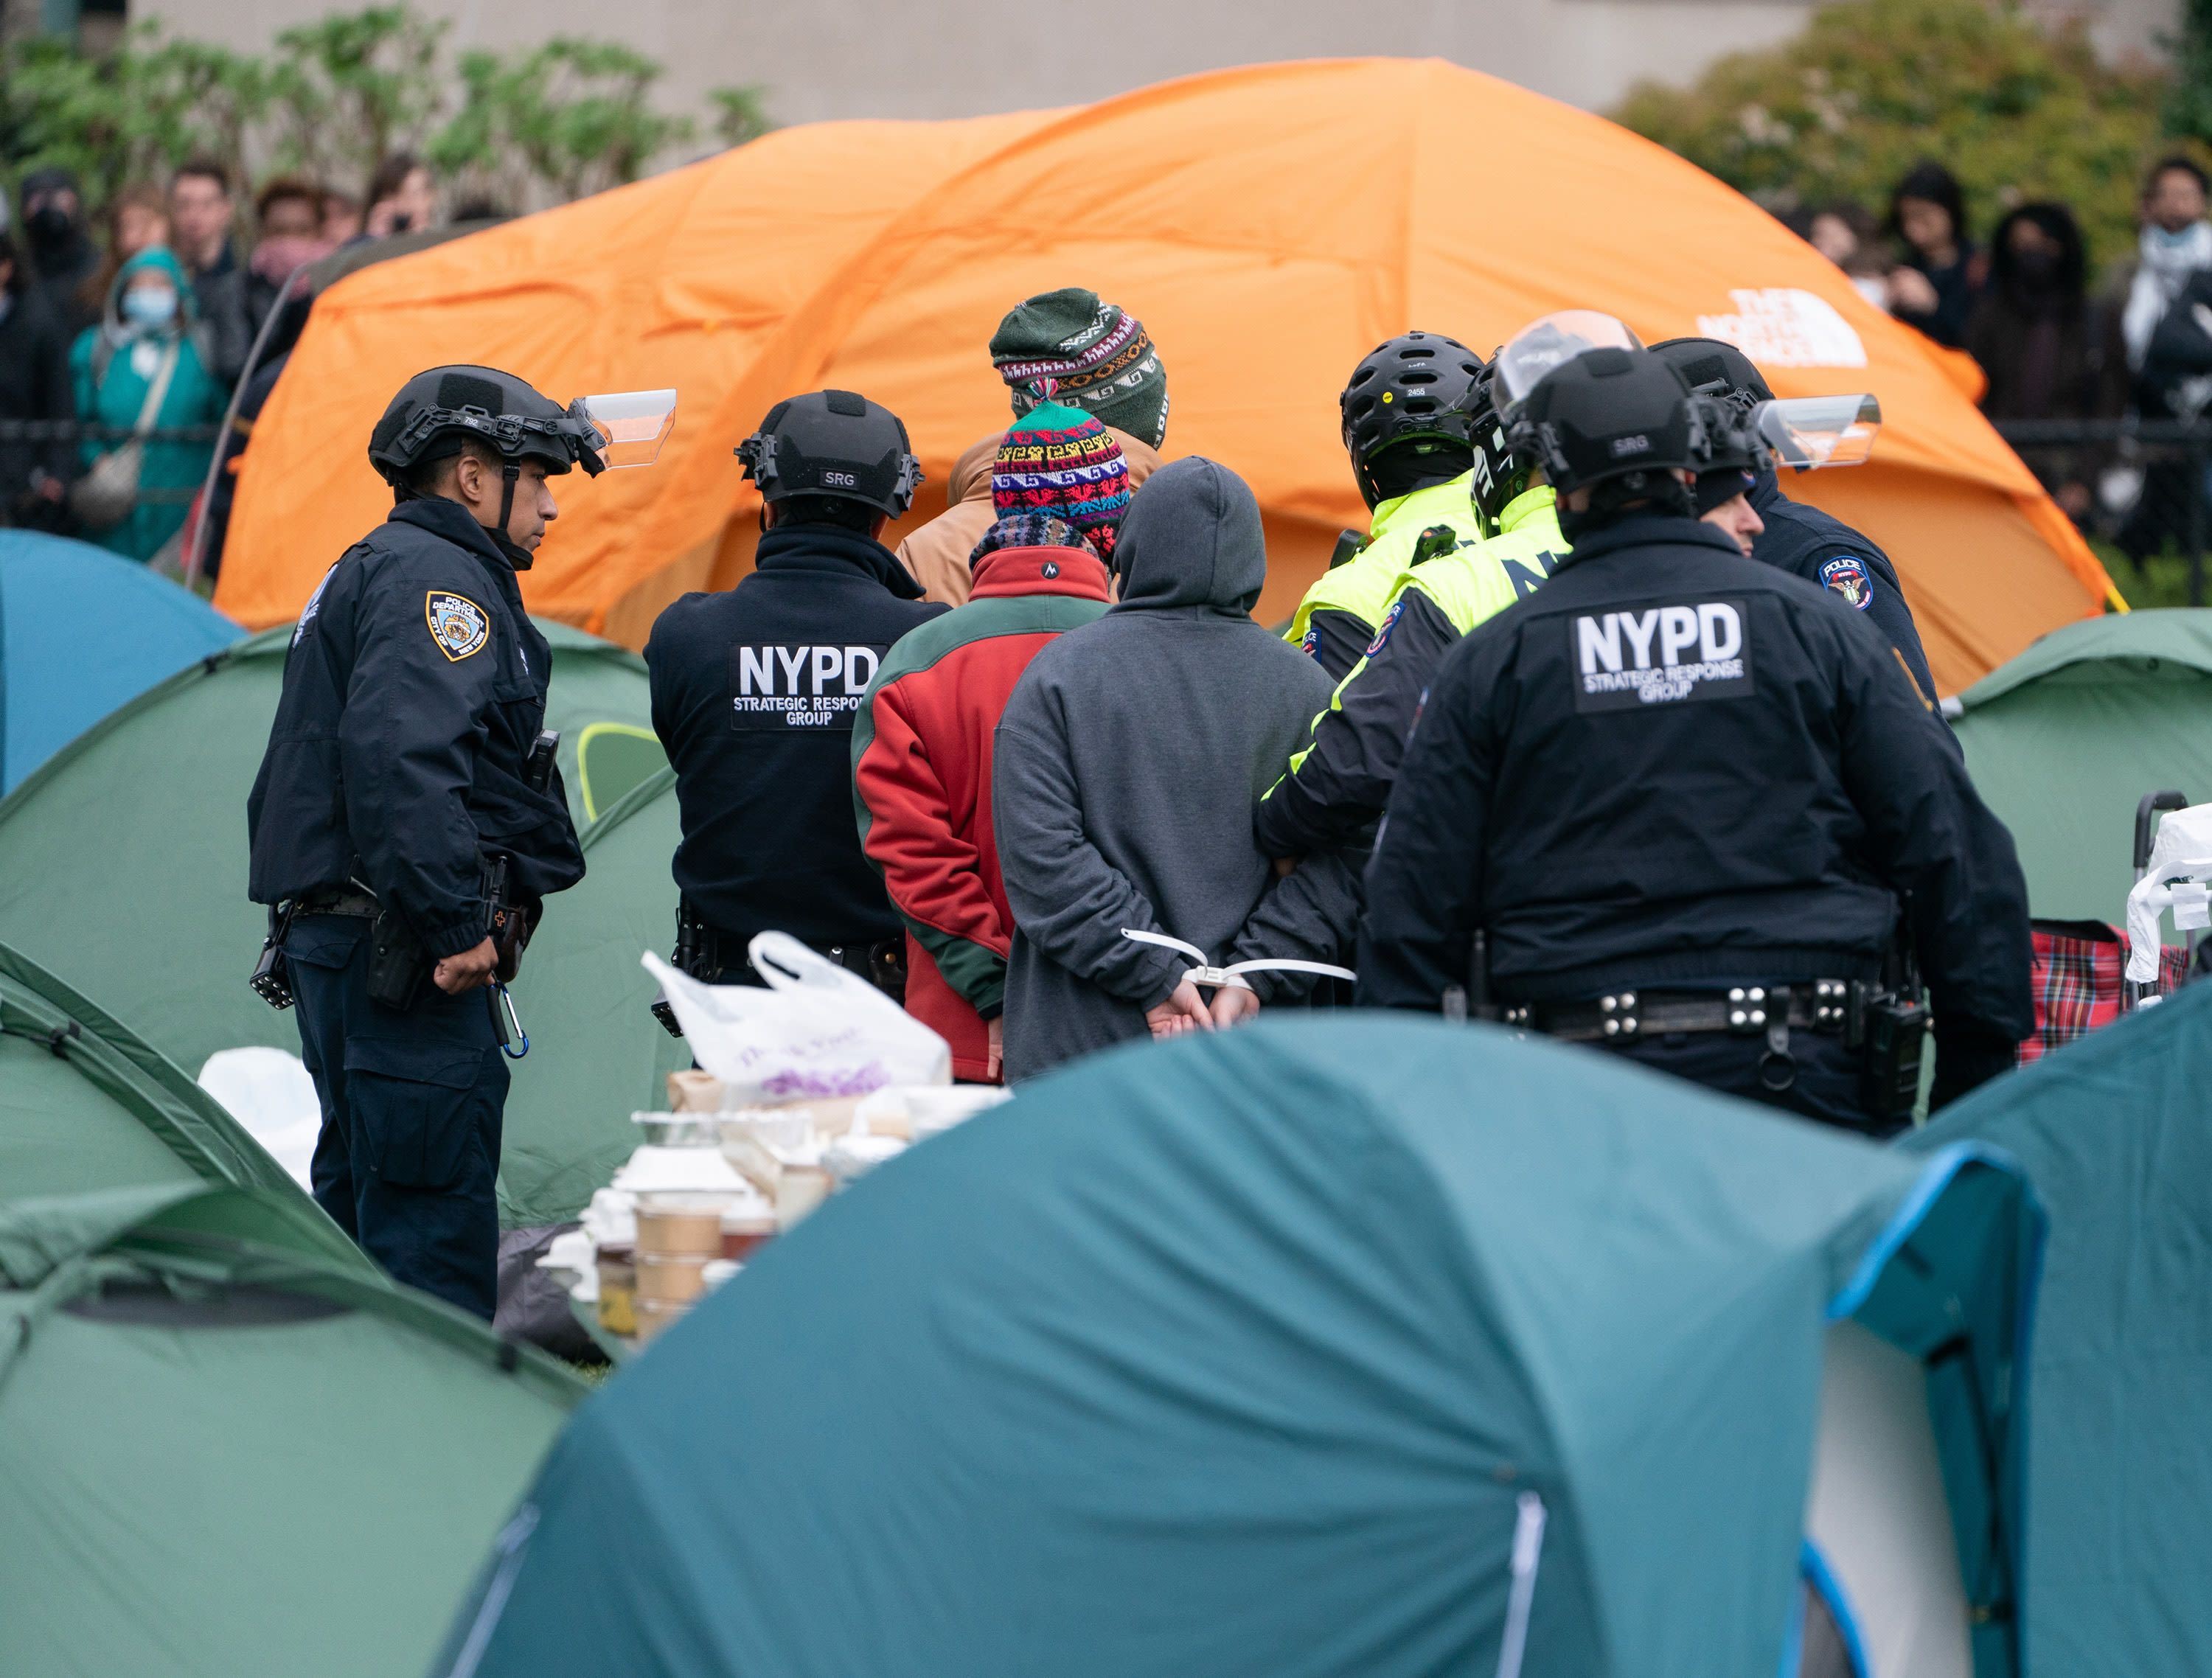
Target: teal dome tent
{"x":1374,"y":1346}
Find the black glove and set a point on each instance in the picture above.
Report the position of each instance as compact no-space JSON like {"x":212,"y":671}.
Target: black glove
{"x":1967,"y":1057}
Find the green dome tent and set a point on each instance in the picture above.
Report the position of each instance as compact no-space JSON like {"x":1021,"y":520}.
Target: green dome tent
{"x":2119,"y":1421}
{"x":2064,"y":740}
{"x":223,"y":1451}
{"x":227,"y":1444}
{"x":1371,"y":1346}
{"x":123,"y":868}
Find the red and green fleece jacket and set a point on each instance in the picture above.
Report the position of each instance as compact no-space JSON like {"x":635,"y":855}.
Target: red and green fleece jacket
{"x":921,"y":780}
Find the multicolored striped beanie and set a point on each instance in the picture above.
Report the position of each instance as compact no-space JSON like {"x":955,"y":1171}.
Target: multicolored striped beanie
{"x":1060,"y":461}
{"x":1068,"y":347}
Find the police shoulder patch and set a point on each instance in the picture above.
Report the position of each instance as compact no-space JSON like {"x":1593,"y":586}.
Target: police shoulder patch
{"x":1389,"y":623}
{"x":458,"y":624}
{"x":1847,"y":575}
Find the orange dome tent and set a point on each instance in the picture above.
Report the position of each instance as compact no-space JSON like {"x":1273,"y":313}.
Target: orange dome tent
{"x":1269,"y":225}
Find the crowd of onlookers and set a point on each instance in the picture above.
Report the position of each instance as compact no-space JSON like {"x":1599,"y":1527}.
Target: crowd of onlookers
{"x":2054,"y":345}
{"x":144,"y":322}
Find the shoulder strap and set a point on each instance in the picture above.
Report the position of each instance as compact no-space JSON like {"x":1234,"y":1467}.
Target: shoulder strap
{"x":158,"y":391}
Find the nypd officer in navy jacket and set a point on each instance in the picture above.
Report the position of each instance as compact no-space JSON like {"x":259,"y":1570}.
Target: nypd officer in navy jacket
{"x":397,"y":766}
{"x":1803,"y":540}
{"x":1684,"y":795}
{"x":755,"y":691}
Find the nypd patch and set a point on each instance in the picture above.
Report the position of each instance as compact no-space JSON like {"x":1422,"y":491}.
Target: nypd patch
{"x":1847,"y":575}
{"x":1382,"y":635}
{"x":457,"y":623}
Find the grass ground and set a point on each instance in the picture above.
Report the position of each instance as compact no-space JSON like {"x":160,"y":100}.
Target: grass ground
{"x":2160,"y":581}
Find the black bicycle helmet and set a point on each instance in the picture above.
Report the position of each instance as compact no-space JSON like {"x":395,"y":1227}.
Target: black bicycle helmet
{"x":833,"y":444}
{"x":1501,"y":471}
{"x":1417,"y":384}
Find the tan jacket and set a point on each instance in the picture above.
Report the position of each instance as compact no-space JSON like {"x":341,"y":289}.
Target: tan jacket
{"x":937,"y":554}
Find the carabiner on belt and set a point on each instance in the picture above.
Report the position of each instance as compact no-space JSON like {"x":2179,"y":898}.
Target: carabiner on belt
{"x":501,"y":1006}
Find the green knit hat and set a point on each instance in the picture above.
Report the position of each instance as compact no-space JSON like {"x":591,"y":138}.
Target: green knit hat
{"x":1068,"y":347}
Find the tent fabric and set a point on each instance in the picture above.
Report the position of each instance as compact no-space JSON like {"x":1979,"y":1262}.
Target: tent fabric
{"x":86,"y":1105}
{"x":82,"y":631}
{"x":1269,"y":225}
{"x":123,"y":868}
{"x":2064,"y":740}
{"x":1238,"y":1355}
{"x":223,"y":1452}
{"x":2120,"y":1450}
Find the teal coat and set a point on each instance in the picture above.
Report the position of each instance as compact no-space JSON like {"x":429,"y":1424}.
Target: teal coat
{"x":114,"y":396}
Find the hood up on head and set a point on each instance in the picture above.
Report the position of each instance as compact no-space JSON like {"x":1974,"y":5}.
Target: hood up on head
{"x":1192,"y":539}
{"x":160,"y":257}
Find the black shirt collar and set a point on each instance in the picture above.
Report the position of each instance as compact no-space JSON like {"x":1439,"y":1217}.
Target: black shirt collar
{"x":828,"y":548}
{"x":1634,"y":529}
{"x":456,"y":524}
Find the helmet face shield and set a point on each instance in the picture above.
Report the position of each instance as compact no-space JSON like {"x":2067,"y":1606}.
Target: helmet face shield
{"x":1555,"y":338}
{"x":628,"y":427}
{"x":1810,"y":431}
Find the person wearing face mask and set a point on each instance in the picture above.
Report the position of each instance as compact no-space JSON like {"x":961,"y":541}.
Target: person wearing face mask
{"x":143,"y":369}
{"x":2048,"y":352}
{"x":2166,"y":322}
{"x":405,"y":774}
{"x":1685,"y":799}
{"x":62,"y":257}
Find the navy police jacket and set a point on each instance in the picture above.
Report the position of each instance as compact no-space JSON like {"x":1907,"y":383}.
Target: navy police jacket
{"x":1678,"y":766}
{"x":414,"y":689}
{"x":754,"y":694}
{"x":1822,"y":549}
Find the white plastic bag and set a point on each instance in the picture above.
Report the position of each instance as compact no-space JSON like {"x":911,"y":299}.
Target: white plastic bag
{"x":2182,"y":851}
{"x":817,"y":1030}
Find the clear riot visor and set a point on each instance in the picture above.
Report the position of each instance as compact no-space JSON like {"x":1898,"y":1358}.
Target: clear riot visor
{"x":632,"y":424}
{"x":1808,"y":431}
{"x":1552,"y":339}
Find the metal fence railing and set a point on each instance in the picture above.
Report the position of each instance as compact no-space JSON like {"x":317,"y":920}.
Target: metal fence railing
{"x":35,"y":432}
{"x":2148,"y":479}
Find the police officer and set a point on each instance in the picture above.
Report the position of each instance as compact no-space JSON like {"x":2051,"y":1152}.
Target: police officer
{"x":404,"y":777}
{"x":1682,"y":797}
{"x":1410,"y":432}
{"x":1800,"y":539}
{"x":755,"y":691}
{"x":1338,"y":782}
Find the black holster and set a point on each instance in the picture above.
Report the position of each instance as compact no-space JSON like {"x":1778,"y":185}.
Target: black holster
{"x":399,"y":965}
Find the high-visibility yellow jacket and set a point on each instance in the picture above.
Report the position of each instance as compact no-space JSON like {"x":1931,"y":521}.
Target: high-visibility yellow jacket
{"x":1339,"y":614}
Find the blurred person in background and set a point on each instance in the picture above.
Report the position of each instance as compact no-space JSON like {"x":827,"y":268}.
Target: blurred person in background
{"x":342,"y":217}
{"x":291,"y":214}
{"x":61,"y":257}
{"x":2169,"y":350}
{"x":145,"y":341}
{"x":201,"y":210}
{"x":137,"y":219}
{"x":35,"y":385}
{"x":402,"y":198}
{"x":1850,"y":238}
{"x":276,"y":354}
{"x":1933,"y":288}
{"x":2048,"y":352}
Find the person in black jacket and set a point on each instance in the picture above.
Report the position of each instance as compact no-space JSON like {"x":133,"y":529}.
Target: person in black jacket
{"x":63,"y":257}
{"x":35,"y":385}
{"x":402,"y":774}
{"x":1800,"y":539}
{"x":755,"y":691}
{"x":1683,"y":796}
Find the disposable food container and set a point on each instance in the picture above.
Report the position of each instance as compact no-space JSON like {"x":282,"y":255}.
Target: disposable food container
{"x":670,"y":1281}
{"x":681,"y":1224}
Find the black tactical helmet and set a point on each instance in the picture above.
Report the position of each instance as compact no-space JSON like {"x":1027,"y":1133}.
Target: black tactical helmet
{"x":1616,"y":415}
{"x":1417,"y":384}
{"x":435,"y":410}
{"x":1501,"y":473}
{"x":1711,"y":367}
{"x":834,"y":444}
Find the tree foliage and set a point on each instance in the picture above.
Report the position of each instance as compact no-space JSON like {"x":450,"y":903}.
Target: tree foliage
{"x":1872,"y":87}
{"x":339,"y":95}
{"x":2188,"y":104}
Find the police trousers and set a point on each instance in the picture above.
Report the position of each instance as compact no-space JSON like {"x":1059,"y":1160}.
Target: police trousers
{"x":1824,"y":1083}
{"x":412,"y":1104}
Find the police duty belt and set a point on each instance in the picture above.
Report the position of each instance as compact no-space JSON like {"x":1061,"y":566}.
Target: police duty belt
{"x":1232,"y":975}
{"x":1629,"y":1016}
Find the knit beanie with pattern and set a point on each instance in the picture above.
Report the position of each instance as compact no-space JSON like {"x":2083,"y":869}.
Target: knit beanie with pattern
{"x":1060,"y":461}
{"x":1068,"y":347}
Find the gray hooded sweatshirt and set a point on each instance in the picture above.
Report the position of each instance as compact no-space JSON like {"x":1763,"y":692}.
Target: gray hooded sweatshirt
{"x":1123,"y":774}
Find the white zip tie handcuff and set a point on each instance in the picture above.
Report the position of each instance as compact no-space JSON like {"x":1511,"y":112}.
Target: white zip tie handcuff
{"x":1205,"y":974}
